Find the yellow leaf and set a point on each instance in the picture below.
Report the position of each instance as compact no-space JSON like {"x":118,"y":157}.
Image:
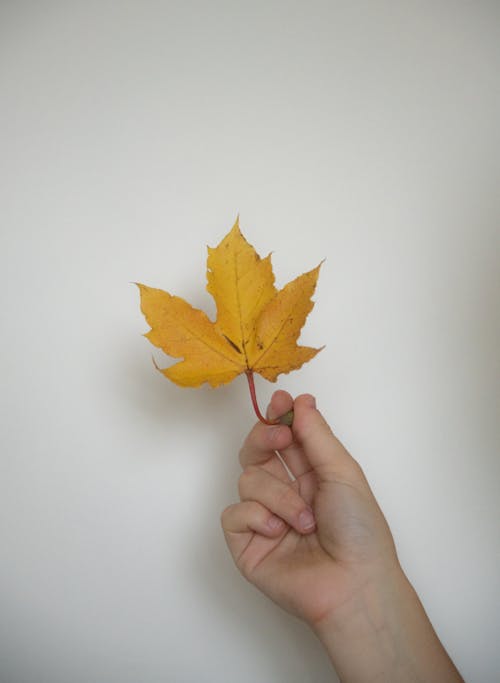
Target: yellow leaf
{"x":256,"y":329}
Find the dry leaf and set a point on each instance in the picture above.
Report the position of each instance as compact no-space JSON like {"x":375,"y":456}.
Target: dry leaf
{"x":257,"y":326}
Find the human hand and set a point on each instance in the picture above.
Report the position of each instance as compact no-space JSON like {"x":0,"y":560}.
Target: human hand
{"x":310,"y":570}
{"x":321,"y":548}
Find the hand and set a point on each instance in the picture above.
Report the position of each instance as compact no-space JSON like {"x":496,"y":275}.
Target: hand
{"x":320,"y":547}
{"x":310,"y":544}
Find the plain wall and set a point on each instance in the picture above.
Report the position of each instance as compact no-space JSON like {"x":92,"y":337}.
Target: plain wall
{"x":132,"y":134}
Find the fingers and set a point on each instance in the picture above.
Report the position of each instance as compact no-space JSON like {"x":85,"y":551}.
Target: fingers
{"x":281,"y":402}
{"x":261,"y":443}
{"x":263,"y":440}
{"x":251,"y":516}
{"x":242,"y":521}
{"x":321,"y":447}
{"x":278,"y":496}
{"x":293,"y":455}
{"x":295,"y":460}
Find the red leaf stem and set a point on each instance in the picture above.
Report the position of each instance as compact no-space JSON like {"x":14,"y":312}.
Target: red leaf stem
{"x":251,"y":385}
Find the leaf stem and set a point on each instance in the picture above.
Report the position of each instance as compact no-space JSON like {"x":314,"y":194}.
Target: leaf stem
{"x":251,"y":386}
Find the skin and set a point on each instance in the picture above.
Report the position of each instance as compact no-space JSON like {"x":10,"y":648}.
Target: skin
{"x":320,"y":547}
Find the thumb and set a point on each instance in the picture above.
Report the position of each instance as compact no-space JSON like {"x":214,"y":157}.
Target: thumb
{"x":328,"y":457}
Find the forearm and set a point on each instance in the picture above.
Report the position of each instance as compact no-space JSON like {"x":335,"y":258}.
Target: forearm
{"x":383,"y":635}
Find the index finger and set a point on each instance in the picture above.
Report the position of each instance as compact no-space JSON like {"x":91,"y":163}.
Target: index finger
{"x":263,"y":440}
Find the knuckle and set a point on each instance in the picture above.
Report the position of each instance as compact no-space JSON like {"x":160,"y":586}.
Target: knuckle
{"x":247,"y":447}
{"x":246,"y":478}
{"x":255,"y":447}
{"x":242,"y":453}
{"x":225,"y":514}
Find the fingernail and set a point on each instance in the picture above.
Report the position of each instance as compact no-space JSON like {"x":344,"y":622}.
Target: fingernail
{"x":275,"y":523}
{"x":269,"y":413}
{"x":310,"y":402}
{"x":306,"y":520}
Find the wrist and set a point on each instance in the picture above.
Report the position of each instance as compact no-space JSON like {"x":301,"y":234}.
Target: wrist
{"x":383,"y":634}
{"x":360,"y":634}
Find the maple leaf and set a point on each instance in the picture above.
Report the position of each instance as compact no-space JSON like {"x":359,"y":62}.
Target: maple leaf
{"x":256,"y":328}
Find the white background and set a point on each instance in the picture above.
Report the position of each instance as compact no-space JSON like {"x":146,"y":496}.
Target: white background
{"x":132,"y":133}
